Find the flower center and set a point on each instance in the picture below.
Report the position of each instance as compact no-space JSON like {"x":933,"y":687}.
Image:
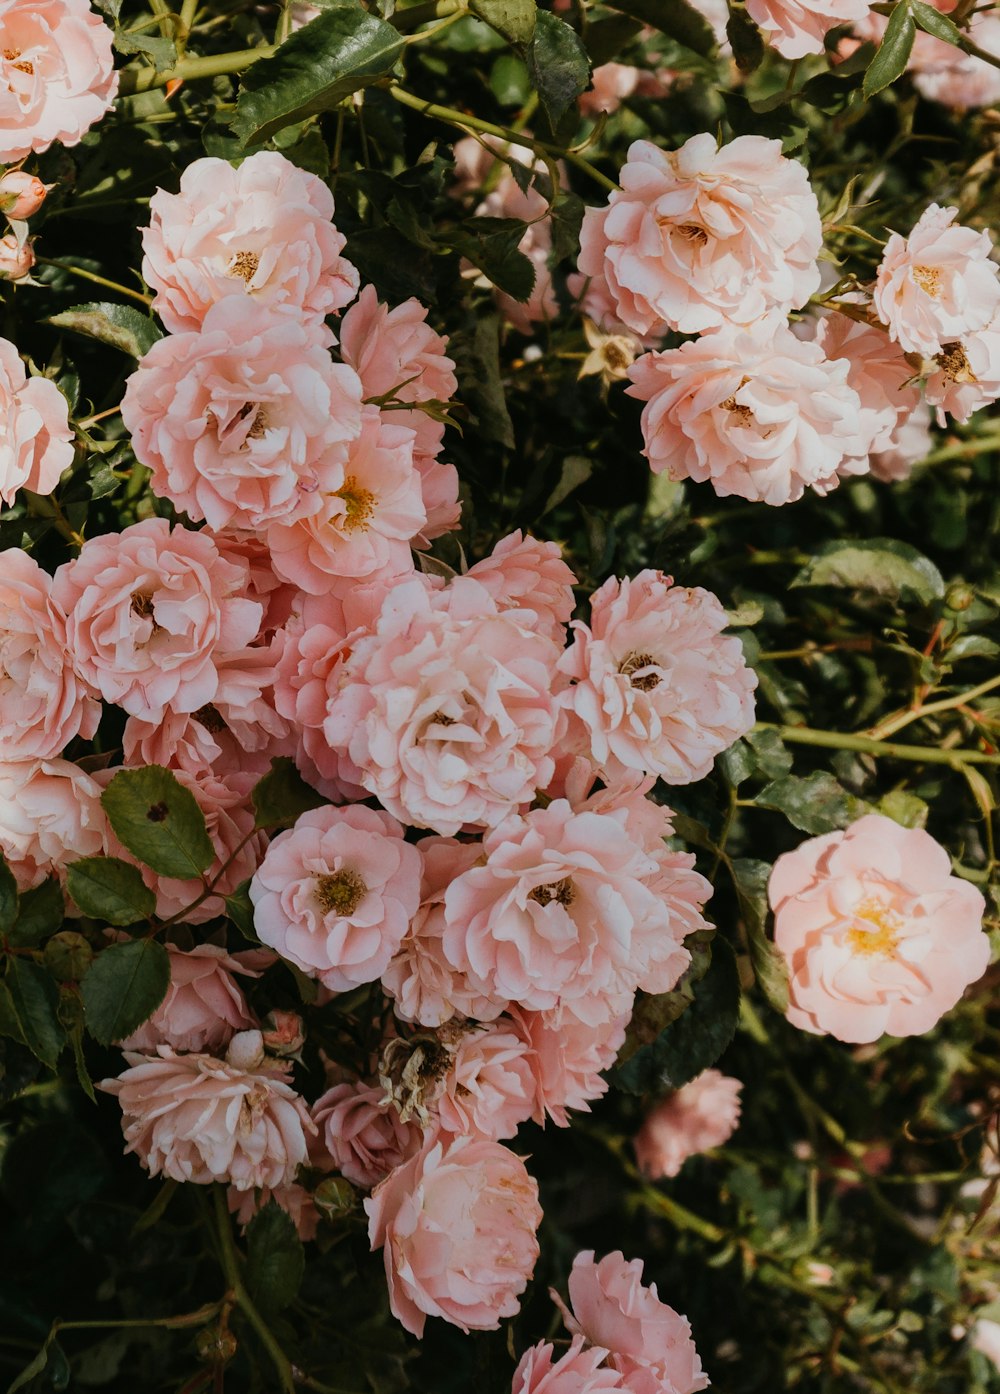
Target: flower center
{"x":954,"y":364}
{"x":11,"y":54}
{"x":632,"y":668}
{"x":691,"y":232}
{"x":142,"y":605}
{"x":340,"y":892}
{"x":210,"y":717}
{"x":360,"y":505}
{"x":244,"y":265}
{"x":259,"y":423}
{"x":928,"y":278}
{"x":563,"y":892}
{"x":876,"y":931}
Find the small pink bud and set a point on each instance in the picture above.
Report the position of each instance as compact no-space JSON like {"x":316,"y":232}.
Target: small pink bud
{"x":21,"y":194}
{"x":246,"y":1051}
{"x":283,"y":1033}
{"x":15,"y":262}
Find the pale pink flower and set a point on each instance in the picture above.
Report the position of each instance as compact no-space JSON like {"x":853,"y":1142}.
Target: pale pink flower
{"x":524,"y":574}
{"x":938,"y":284}
{"x":879,"y":373}
{"x":909,"y":443}
{"x":243,"y":421}
{"x":21,"y":194}
{"x":262,"y":229}
{"x":50,"y":815}
{"x":966,"y":375}
{"x":295,"y":1200}
{"x":439,"y":489}
{"x":204,"y":1006}
{"x":457,"y":1223}
{"x":796,"y":28}
{"x":943,"y":73}
{"x":151,"y":616}
{"x":16,"y":258}
{"x":57,"y":74}
{"x":43,"y":703}
{"x":263,"y":584}
{"x":447,"y":709}
{"x":568,"y":1056}
{"x":489,"y":1087}
{"x":705,"y":235}
{"x":656,"y":684}
{"x":701,"y":1115}
{"x":335,"y":893}
{"x":610,"y":85}
{"x":36,"y":443}
{"x":649,"y":1343}
{"x":361,"y":1135}
{"x":579,"y":1370}
{"x":199,"y":1119}
{"x":879,"y":937}
{"x":303,"y":13}
{"x":757,"y":413}
{"x":364,"y":526}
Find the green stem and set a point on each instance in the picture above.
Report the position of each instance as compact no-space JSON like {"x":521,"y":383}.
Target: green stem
{"x":415,"y":15}
{"x":838,"y":740}
{"x":976,"y":445}
{"x":189,"y":13}
{"x":42,"y":506}
{"x":134,"y":80}
{"x":893,"y":724}
{"x":231,"y":1267}
{"x":145,"y":300}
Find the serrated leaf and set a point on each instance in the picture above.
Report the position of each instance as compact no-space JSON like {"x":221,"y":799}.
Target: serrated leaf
{"x":492,"y":245}
{"x":29,"y":1010}
{"x":159,"y":821}
{"x":879,"y":566}
{"x":652,"y":1014}
{"x":239,"y":908}
{"x":814,"y":804}
{"x":746,"y":41}
{"x":932,"y":21}
{"x":750,"y":877}
{"x":558,"y":65}
{"x":282,"y":795}
{"x":123,"y":988}
{"x":893,"y":53}
{"x":514,"y":20}
{"x":675,"y":18}
{"x":121,"y":326}
{"x":106,"y":888}
{"x":275,"y":1259}
{"x":40,"y":913}
{"x":162,"y":50}
{"x":337,"y":54}
{"x":8,"y":897}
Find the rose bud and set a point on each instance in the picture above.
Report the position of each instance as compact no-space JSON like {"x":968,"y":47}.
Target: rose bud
{"x":21,"y":194}
{"x":283,"y":1033}
{"x":15,"y":261}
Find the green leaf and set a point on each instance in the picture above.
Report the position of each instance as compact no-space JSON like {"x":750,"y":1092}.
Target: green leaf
{"x":932,"y":21}
{"x":123,"y":988}
{"x":879,"y":566}
{"x":239,"y":908}
{"x":605,"y":38}
{"x":492,"y":245}
{"x":29,"y":1010}
{"x":51,"y":1359}
{"x":41,"y":913}
{"x":282,"y":795}
{"x":337,"y":54}
{"x":746,"y":41}
{"x":486,"y":393}
{"x":514,"y":20}
{"x":8,"y":897}
{"x":675,"y":18}
{"x":576,"y":470}
{"x":652,"y":1014}
{"x":162,"y":51}
{"x":698,"y":1036}
{"x":815,"y":804}
{"x":106,"y":888}
{"x":118,"y":325}
{"x":275,"y":1259}
{"x":558,"y":64}
{"x":159,"y":821}
{"x":893,"y":52}
{"x":750,"y":879}
{"x":904,"y":808}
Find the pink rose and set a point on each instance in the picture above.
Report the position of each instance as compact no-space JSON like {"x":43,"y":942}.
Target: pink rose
{"x":705,"y":235}
{"x":50,"y":814}
{"x":796,"y":28}
{"x":203,"y":1008}
{"x":909,"y":443}
{"x":457,"y":1223}
{"x":21,"y":194}
{"x":966,"y":375}
{"x":152,"y":615}
{"x":335,"y":893}
{"x":703,"y":1114}
{"x":295,"y":1200}
{"x":567,"y":1057}
{"x":649,"y":1343}
{"x":758,"y":413}
{"x":879,"y":937}
{"x":579,"y":1370}
{"x":938,"y":284}
{"x":879,"y":373}
{"x":37,"y":443}
{"x":262,"y":230}
{"x":360,"y":1135}
{"x":57,"y":75}
{"x":43,"y":703}
{"x":524,"y":574}
{"x":199,"y":1119}
{"x":16,"y":258}
{"x":610,"y":85}
{"x":366,"y":525}
{"x":656,"y":685}
{"x":448,"y":709}
{"x":243,"y":421}
{"x":489,"y":1088}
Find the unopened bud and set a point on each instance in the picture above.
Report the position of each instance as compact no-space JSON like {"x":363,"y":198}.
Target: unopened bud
{"x":283,"y":1033}
{"x":959,"y":596}
{"x":216,"y":1345}
{"x":21,"y":194}
{"x":68,"y":956}
{"x":246,"y":1050}
{"x":335,"y":1197}
{"x":15,"y":261}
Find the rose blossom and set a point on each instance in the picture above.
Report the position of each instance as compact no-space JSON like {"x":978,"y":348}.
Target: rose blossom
{"x":966,"y":375}
{"x":57,"y":75}
{"x":701,"y":1115}
{"x":361,"y":1135}
{"x":295,"y":1200}
{"x":909,"y":443}
{"x":524,"y":574}
{"x":447,"y":709}
{"x":335,"y":893}
{"x":879,"y":373}
{"x":21,"y":194}
{"x":203,"y":1008}
{"x":936,"y":285}
{"x":364,"y":526}
{"x":489,"y":1088}
{"x":610,"y":85}
{"x":567,"y":1057}
{"x":756,"y":413}
{"x":579,"y":1370}
{"x":649,"y":1343}
{"x":262,"y":230}
{"x":37,"y":443}
{"x":50,"y":814}
{"x":199,"y":1119}
{"x":657,"y":686}
{"x":16,"y":258}
{"x":150,"y":615}
{"x":457,"y":1223}
{"x":943,"y":73}
{"x":879,"y":937}
{"x":43,"y":703}
{"x":796,"y":28}
{"x":243,"y":421}
{"x":705,"y":235}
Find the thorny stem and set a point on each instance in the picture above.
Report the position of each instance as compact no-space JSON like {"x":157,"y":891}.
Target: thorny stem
{"x":135,"y":80}
{"x":901,"y":719}
{"x":40,"y":506}
{"x":842,"y":740}
{"x":231,"y":1268}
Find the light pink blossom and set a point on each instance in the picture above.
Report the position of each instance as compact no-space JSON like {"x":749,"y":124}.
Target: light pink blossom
{"x":335,"y":893}
{"x":295,"y":1200}
{"x":796,"y":28}
{"x":457,"y":1224}
{"x":879,"y":373}
{"x":16,"y":258}
{"x":50,"y":815}
{"x":909,"y":443}
{"x":879,"y":937}
{"x":21,"y":194}
{"x":705,"y":235}
{"x":524,"y":574}
{"x":579,"y":1370}
{"x":489,"y":1088}
{"x":568,"y":1056}
{"x":610,"y":85}
{"x":204,"y":1006}
{"x":965,"y":375}
{"x":361,"y":1135}
{"x":701,"y":1115}
{"x":36,"y":443}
